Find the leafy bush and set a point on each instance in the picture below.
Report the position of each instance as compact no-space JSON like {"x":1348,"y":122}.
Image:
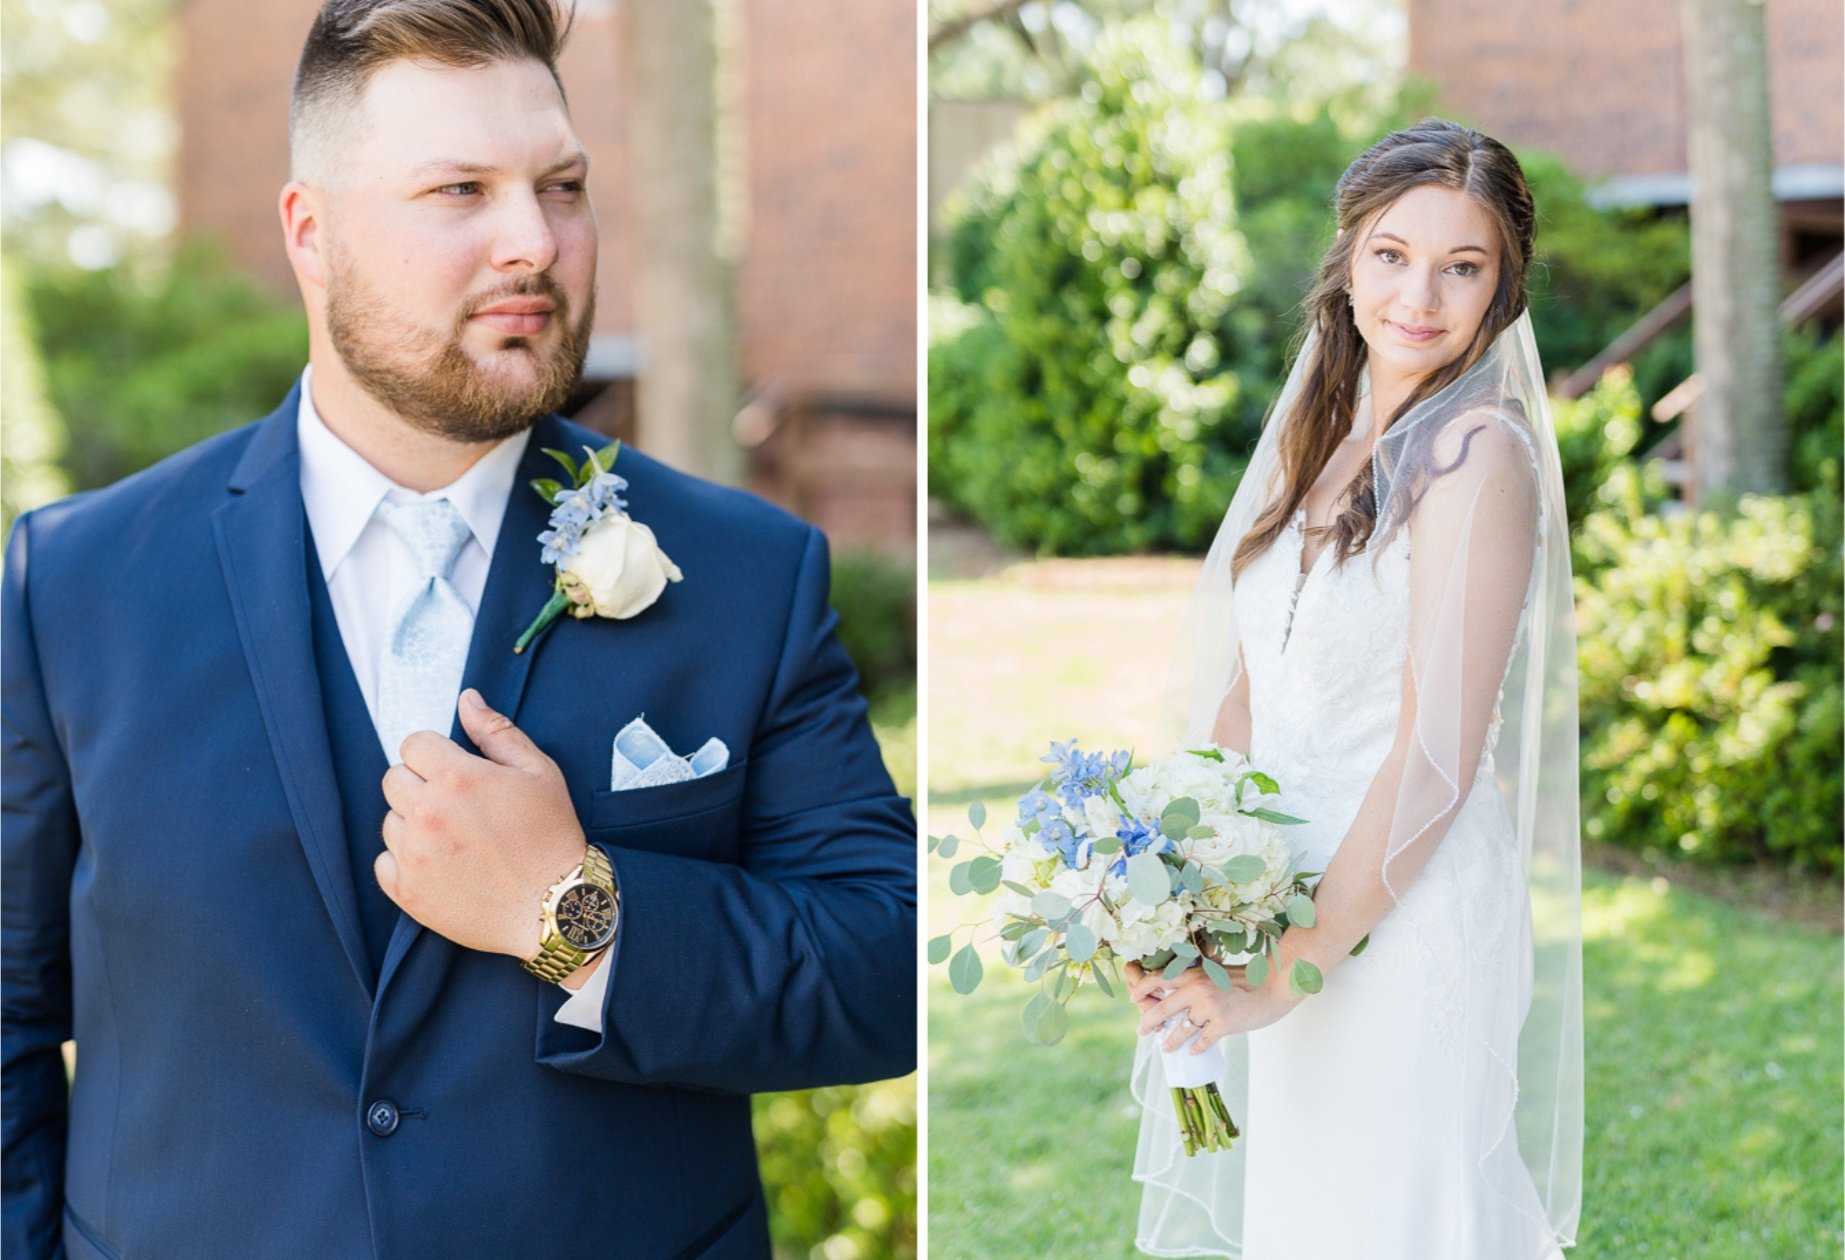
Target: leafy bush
{"x":1094,"y":405}
{"x":141,"y":367}
{"x":1595,"y":433}
{"x":875,"y":596}
{"x":839,"y":1169}
{"x":1710,"y":647}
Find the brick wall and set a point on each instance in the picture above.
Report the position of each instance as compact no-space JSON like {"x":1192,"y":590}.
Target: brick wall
{"x":1599,"y":83}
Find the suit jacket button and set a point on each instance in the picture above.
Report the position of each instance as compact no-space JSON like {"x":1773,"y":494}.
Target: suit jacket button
{"x":381,"y":1117}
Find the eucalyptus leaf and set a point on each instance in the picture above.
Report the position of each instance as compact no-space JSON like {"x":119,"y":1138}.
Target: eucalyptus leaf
{"x":947,"y":845}
{"x":1101,"y":979}
{"x":1033,"y":942}
{"x":1049,"y":905}
{"x":1048,"y":1024}
{"x":1304,"y":977}
{"x":1174,"y":969}
{"x":1191,"y":878}
{"x":1201,"y":833}
{"x":983,"y":874}
{"x":1156,"y":962}
{"x":977,"y":814}
{"x":1300,"y":911}
{"x":1061,"y":987}
{"x":1037,"y":967}
{"x":933,"y":841}
{"x":1079,"y":943}
{"x":1014,"y":930}
{"x":1185,"y":950}
{"x":1107,"y":844}
{"x":939,"y":947}
{"x":964,"y":969}
{"x":1013,"y":885}
{"x":1219,"y":976}
{"x":1147,"y":880}
{"x":959,"y":882}
{"x":1273,"y":815}
{"x":1255,"y":972}
{"x":1244,"y":868}
{"x":1179,"y":817}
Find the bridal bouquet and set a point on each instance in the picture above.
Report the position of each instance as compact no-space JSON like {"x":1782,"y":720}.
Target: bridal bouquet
{"x":1175,"y":864}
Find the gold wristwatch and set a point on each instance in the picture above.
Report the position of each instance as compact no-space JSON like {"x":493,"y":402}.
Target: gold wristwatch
{"x":579,"y":917}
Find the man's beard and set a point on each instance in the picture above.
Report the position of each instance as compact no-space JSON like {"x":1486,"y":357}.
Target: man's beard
{"x":431,"y":380}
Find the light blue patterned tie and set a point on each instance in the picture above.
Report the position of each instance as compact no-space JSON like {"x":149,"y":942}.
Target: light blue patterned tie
{"x":419,"y":675}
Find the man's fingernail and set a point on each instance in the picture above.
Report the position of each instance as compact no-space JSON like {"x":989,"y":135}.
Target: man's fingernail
{"x":472,"y":699}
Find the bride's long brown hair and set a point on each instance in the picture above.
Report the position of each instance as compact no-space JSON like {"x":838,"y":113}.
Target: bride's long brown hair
{"x":1437,"y":152}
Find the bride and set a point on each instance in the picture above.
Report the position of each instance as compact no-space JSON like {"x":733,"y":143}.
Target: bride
{"x":1385,"y":625}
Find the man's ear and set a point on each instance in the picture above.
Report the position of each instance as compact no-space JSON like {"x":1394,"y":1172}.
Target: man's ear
{"x":303,"y":212}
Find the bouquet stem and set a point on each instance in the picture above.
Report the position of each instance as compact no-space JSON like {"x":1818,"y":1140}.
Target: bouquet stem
{"x":1204,"y":1121}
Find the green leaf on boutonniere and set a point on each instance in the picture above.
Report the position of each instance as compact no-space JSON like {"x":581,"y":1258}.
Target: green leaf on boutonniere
{"x":548,"y":490}
{"x":570,"y":465}
{"x":603,"y":458}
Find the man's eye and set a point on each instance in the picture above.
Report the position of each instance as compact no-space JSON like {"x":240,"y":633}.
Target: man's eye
{"x":464,"y":189}
{"x":569,"y":187}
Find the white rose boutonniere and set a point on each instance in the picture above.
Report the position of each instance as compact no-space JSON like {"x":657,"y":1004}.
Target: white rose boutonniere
{"x":608,"y":563}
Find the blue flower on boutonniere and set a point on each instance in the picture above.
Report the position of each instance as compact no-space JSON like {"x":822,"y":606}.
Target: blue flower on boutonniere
{"x":608,"y":563}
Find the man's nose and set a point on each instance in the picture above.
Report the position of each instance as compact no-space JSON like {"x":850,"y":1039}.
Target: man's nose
{"x":524,"y":239}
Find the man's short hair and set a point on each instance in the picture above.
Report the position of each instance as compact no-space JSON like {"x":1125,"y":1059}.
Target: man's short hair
{"x":351,"y":39}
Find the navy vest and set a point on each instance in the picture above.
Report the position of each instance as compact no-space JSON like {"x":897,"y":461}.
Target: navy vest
{"x":358,"y":764}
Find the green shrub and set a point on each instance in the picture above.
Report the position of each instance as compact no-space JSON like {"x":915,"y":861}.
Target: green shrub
{"x":875,"y":596}
{"x":1711,"y":701}
{"x":1595,"y":434}
{"x":1094,"y":407}
{"x":141,"y":367}
{"x":839,"y":1169}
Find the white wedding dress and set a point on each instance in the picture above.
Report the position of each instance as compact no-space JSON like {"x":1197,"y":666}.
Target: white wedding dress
{"x":1426,"y":1104}
{"x":1366,"y":1118}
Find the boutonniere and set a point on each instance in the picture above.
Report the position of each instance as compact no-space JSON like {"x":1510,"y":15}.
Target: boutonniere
{"x":608,"y":563}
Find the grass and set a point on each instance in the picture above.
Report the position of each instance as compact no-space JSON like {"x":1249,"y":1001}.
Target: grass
{"x":1714,"y":1037}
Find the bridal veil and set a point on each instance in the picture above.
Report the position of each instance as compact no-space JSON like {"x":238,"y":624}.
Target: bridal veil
{"x":1473,"y":473}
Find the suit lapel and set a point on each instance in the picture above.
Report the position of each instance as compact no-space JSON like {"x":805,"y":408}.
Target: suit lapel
{"x":517,"y":587}
{"x":262,"y":545}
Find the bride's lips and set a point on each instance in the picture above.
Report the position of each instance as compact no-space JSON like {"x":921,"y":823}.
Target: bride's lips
{"x":516,"y":316}
{"x":1415,"y":333}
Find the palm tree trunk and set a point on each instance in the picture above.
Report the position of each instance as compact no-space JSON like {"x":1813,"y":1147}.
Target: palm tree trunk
{"x":1740,"y":432}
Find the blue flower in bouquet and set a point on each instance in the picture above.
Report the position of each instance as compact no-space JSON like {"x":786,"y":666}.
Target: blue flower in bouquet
{"x":1058,"y":835}
{"x":1136,"y":838}
{"x":1038,"y":806}
{"x":1079,"y":774}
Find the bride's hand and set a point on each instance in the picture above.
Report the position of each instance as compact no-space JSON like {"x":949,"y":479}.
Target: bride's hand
{"x":1219,"y":1013}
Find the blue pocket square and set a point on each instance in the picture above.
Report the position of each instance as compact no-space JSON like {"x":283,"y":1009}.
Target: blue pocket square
{"x":642,"y":759}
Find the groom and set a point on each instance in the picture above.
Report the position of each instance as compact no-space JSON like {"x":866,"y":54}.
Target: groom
{"x":285,"y":812}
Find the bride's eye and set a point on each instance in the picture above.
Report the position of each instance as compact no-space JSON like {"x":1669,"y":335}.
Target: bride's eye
{"x":1388,"y":255}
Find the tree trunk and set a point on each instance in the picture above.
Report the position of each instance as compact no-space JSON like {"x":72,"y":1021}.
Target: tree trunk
{"x":684,"y":295}
{"x":1740,"y":431}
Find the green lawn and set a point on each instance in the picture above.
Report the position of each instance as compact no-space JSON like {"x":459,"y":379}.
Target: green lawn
{"x":1714,"y":1041}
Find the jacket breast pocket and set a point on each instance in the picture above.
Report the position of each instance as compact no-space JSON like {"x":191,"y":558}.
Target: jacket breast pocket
{"x":696,"y":818}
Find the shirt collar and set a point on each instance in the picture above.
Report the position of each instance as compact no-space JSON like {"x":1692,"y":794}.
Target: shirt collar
{"x":341,"y":490}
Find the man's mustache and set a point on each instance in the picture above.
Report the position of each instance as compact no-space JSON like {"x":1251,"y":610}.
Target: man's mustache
{"x":542,"y":285}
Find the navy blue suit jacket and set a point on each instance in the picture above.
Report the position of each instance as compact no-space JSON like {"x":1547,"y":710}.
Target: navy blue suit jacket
{"x":178,"y":896}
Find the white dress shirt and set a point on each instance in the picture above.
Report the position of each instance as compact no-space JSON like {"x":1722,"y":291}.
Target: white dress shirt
{"x":371,"y":576}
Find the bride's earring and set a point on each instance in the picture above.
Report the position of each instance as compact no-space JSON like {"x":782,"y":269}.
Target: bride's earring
{"x":1349,"y":299}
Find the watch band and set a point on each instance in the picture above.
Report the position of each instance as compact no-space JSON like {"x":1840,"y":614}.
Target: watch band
{"x":557,"y":957}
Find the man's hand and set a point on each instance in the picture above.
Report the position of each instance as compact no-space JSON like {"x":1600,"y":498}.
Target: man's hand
{"x":472,"y":844}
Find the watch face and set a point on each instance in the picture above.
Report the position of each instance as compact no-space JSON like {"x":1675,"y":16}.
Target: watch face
{"x":586,"y":916}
